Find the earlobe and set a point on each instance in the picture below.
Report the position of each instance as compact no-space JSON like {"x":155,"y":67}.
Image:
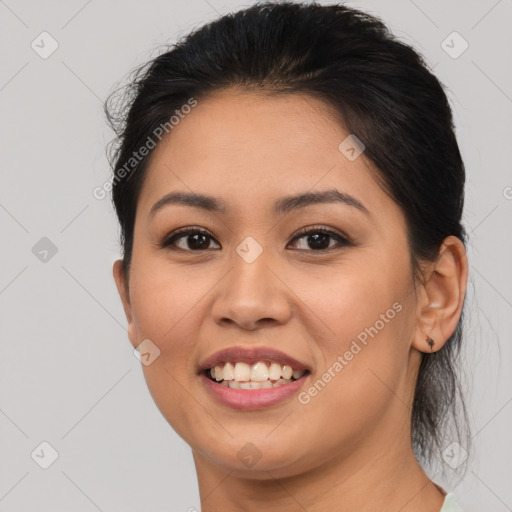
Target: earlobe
{"x":442,"y":297}
{"x":122,"y":288}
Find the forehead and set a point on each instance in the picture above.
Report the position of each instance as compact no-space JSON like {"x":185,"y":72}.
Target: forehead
{"x":251,"y":148}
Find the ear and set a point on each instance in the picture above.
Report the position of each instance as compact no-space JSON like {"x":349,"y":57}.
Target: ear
{"x":442,"y":296}
{"x":122,"y":288}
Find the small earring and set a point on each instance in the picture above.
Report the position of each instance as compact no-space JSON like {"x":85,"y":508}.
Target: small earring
{"x":430,"y":342}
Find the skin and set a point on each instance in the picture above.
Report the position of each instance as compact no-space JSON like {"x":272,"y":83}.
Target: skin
{"x":349,"y":447}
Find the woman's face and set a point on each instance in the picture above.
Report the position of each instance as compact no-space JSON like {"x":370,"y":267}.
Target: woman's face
{"x":345,"y":310}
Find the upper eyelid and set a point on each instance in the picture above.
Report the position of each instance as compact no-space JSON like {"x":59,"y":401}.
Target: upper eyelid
{"x":312,"y":229}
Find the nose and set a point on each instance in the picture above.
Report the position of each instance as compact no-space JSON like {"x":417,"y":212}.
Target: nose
{"x":252,"y":296}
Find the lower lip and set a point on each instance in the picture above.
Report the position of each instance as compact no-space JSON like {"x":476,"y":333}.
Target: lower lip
{"x":252,"y":398}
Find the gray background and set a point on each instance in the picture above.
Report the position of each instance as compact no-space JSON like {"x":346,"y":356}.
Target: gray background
{"x":68,"y":375}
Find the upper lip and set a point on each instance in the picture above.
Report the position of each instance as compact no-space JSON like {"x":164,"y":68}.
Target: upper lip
{"x":250,"y":356}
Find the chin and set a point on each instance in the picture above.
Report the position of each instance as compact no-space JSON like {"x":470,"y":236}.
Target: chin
{"x":258,"y":460}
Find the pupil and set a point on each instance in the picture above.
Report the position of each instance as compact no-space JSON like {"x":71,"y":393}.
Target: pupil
{"x":323,"y":237}
{"x":195,"y":237}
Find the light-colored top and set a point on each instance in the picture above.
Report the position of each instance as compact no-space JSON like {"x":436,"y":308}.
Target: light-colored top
{"x":450,"y":504}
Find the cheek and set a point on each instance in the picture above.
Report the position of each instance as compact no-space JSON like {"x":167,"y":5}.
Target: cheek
{"x":163,"y":305}
{"x":166,"y":311}
{"x":350,"y":298}
{"x":369,"y":325}
{"x":364,"y":381}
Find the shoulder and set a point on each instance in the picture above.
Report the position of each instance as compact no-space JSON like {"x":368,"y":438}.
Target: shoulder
{"x":450,"y":504}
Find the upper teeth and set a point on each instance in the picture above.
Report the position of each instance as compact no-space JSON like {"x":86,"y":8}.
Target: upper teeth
{"x":258,"y":372}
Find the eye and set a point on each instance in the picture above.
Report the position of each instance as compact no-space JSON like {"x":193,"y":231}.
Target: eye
{"x":195,"y":239}
{"x":320,"y":238}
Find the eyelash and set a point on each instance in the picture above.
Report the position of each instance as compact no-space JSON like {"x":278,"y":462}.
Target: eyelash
{"x":169,"y":240}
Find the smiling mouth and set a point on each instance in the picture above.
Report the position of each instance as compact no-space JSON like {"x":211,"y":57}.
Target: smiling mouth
{"x":260,"y":376}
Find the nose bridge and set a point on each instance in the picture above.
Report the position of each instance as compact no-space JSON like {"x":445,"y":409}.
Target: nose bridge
{"x":251,"y":292}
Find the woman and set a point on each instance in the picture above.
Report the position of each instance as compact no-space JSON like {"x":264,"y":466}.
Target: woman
{"x":290,"y":190}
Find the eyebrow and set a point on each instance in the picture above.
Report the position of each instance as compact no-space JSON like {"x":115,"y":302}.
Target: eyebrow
{"x":281,"y":206}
